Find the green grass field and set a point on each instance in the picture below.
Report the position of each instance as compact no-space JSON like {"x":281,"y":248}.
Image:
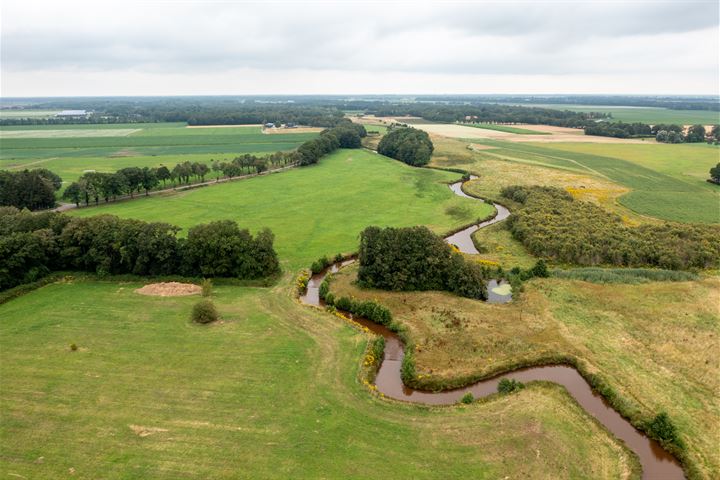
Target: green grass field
{"x":666,"y":181}
{"x":21,"y":144}
{"x":27,"y":113}
{"x":317,"y":210}
{"x":272,"y":391}
{"x":506,"y":128}
{"x":651,"y":115}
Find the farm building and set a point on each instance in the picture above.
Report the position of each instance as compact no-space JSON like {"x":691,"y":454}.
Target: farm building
{"x":72,"y":113}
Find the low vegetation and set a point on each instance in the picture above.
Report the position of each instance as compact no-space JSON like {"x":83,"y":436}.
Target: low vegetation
{"x":551,"y":224}
{"x":204,"y":311}
{"x":624,"y":275}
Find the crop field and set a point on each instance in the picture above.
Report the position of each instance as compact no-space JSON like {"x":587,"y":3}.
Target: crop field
{"x":27,"y":113}
{"x":508,"y":129}
{"x":271,"y":391}
{"x":651,"y":115}
{"x":653,"y":342}
{"x":663,"y":181}
{"x":309,"y":210}
{"x":21,"y":144}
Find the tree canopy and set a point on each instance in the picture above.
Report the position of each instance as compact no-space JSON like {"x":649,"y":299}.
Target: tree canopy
{"x":408,"y":145}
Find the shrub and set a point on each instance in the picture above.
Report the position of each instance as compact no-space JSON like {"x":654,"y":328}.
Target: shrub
{"x":467,"y":398}
{"x":408,"y":145}
{"x":320,"y":264}
{"x":73,"y":347}
{"x":204,"y":312}
{"x":207,"y":287}
{"x":509,"y":385}
{"x":662,"y":429}
{"x":302,"y":282}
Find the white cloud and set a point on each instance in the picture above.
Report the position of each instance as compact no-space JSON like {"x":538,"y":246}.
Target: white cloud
{"x":187,"y":47}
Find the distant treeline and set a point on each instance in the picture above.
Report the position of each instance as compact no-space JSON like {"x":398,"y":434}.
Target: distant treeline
{"x":662,"y":132}
{"x":408,"y":145}
{"x":414,"y":258}
{"x":33,"y":245}
{"x":552,"y":225}
{"x":486,"y":113}
{"x":31,"y":189}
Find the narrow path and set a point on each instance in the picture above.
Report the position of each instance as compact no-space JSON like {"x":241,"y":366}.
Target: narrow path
{"x":656,"y":462}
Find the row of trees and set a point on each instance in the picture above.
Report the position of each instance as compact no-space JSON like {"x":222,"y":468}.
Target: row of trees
{"x":414,"y":258}
{"x":552,"y":225}
{"x":33,"y":245}
{"x":31,"y":189}
{"x":665,"y":133}
{"x":408,"y":145}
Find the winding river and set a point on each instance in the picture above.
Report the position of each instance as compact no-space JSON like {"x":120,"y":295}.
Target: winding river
{"x":656,"y":462}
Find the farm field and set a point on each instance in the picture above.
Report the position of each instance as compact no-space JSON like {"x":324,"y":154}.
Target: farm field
{"x":309,"y":210}
{"x":271,"y":391}
{"x":652,"y":342}
{"x":651,"y":115}
{"x":21,"y":144}
{"x":27,"y":113}
{"x":508,"y":129}
{"x":656,"y":180}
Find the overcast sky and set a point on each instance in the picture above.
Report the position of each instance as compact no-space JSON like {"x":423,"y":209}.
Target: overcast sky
{"x":65,"y":47}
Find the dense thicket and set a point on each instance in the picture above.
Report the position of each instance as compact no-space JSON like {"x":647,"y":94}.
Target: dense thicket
{"x":408,"y":145}
{"x":32,"y":245}
{"x":551,"y":224}
{"x":345,"y":135}
{"x":619,"y":129}
{"x":31,"y":189}
{"x":414,"y":258}
{"x":715,"y":174}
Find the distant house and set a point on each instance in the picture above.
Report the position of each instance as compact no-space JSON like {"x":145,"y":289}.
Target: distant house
{"x":72,"y":113}
{"x":269,"y":125}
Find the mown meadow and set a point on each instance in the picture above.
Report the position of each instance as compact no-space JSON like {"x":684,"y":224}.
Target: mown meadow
{"x":317,"y":210}
{"x":270,"y":391}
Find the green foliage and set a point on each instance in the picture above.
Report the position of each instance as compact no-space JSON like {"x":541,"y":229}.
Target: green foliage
{"x":408,"y":145}
{"x":207,"y":287}
{"x":31,"y":189}
{"x":320,"y":264}
{"x":204,"y":311}
{"x":368,"y":309}
{"x":73,"y":347}
{"x":663,"y":430}
{"x":344,"y":135}
{"x":715,"y":174}
{"x":619,"y":130}
{"x":507,"y":385}
{"x":31,"y":246}
{"x":552,"y":225}
{"x":413,"y":258}
{"x":467,"y":399}
{"x":624,"y":275}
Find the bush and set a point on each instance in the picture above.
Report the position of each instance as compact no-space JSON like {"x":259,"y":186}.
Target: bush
{"x":204,"y":312}
{"x":368,"y":309}
{"x":320,"y":264}
{"x":663,"y":430}
{"x":207,"y":287}
{"x":73,"y":347}
{"x":509,"y":385}
{"x":467,"y":398}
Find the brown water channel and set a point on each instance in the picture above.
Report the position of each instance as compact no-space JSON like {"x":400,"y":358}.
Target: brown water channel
{"x":656,"y":462}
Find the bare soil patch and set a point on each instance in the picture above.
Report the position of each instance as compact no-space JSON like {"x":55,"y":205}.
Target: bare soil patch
{"x":169,"y":289}
{"x":141,"y":431}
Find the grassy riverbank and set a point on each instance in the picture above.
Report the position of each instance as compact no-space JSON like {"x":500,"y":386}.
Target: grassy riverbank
{"x":318,"y":210}
{"x":652,"y":342}
{"x":270,"y":391}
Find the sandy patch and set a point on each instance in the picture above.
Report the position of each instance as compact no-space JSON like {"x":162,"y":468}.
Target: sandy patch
{"x":169,"y":289}
{"x":141,"y":431}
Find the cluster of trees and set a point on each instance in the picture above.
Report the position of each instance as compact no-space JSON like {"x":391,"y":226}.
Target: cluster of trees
{"x":408,"y":145}
{"x":345,"y":135}
{"x":486,"y":113}
{"x":414,"y":258}
{"x":715,"y":174}
{"x":33,"y":245}
{"x":31,"y":189}
{"x":551,"y":224}
{"x":193,"y":110}
{"x":669,"y":133}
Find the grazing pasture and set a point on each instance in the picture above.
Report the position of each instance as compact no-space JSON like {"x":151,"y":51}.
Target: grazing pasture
{"x":271,"y":390}
{"x":651,"y":115}
{"x":318,"y":210}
